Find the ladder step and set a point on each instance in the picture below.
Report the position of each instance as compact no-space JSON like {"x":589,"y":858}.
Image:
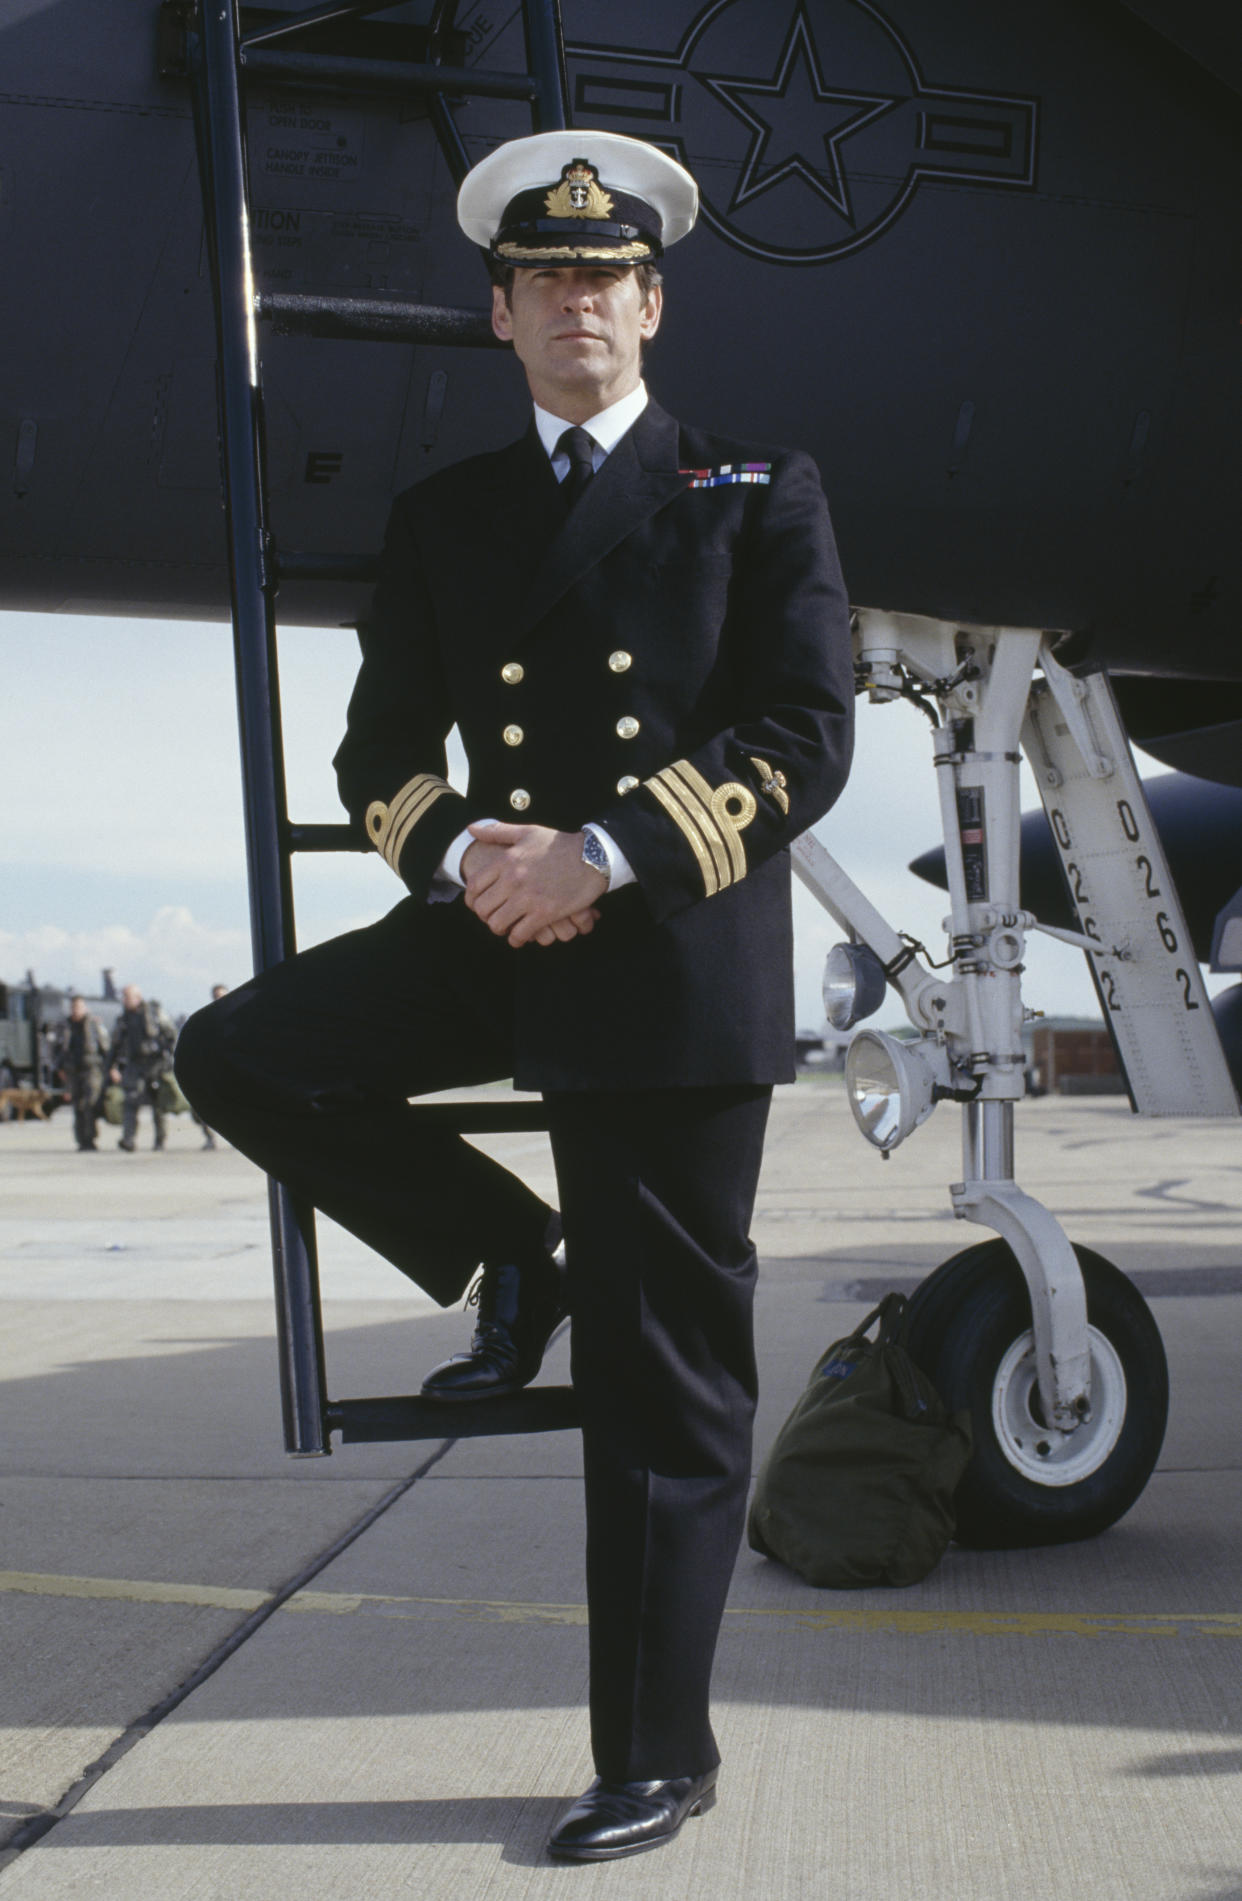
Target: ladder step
{"x":326,"y":72}
{"x":375,"y":320}
{"x":319,"y":838}
{"x":538,"y":1409}
{"x":260,"y":27}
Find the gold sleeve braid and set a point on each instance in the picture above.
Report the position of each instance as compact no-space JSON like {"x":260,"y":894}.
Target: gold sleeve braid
{"x":711,"y":819}
{"x":389,"y":826}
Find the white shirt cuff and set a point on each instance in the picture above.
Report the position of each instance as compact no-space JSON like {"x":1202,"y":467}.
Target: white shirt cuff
{"x":449,"y":871}
{"x":620,"y":870}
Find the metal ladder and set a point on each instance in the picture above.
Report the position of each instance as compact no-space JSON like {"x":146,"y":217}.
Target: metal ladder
{"x":219,"y":53}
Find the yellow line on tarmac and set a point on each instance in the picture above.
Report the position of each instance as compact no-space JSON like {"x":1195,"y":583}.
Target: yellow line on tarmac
{"x":132,"y":1591}
{"x":1011,"y":1623}
{"x":488,"y":1610}
{"x":824,"y":1618}
{"x":812,"y":1617}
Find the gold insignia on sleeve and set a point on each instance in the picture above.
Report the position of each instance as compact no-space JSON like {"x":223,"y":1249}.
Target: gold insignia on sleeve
{"x":579,"y":194}
{"x":711,"y":819}
{"x":389,"y":826}
{"x":774,"y":783}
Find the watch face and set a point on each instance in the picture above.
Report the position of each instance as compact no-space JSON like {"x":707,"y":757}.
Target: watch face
{"x":593,"y":854}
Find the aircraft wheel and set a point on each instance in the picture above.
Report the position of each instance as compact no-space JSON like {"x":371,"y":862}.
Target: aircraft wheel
{"x":970,"y":1331}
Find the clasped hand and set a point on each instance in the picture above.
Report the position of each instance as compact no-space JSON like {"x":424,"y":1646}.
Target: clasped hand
{"x":529,"y":883}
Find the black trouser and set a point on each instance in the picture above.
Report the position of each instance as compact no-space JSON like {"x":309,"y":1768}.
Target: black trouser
{"x":84,"y":1088}
{"x":307,"y":1069}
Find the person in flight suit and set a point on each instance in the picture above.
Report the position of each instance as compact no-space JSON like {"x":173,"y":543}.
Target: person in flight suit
{"x":82,"y":1057}
{"x":641,"y":632}
{"x":142,"y":1044}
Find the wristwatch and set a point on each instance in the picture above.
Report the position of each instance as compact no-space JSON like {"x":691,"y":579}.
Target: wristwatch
{"x":593,"y":854}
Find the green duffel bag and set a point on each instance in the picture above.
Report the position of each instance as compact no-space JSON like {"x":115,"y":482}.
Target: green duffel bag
{"x":112,"y":1104}
{"x":171,"y":1100}
{"x":858,"y":1487}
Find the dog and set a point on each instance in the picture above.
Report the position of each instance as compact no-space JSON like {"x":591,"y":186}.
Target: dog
{"x":20,"y":1103}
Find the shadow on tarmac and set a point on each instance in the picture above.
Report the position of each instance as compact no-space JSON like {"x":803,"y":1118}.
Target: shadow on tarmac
{"x":521,"y":1825}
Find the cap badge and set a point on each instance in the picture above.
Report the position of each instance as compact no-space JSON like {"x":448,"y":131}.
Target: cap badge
{"x":579,"y":194}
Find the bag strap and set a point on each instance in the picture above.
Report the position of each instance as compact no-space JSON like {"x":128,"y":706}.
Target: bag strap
{"x":894,"y":1331}
{"x":891,"y":1315}
{"x":894,"y":1324}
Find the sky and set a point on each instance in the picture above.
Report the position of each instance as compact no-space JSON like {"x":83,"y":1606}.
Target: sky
{"x":123,"y":842}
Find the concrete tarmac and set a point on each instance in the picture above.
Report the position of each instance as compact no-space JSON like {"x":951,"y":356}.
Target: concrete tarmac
{"x":225,"y":1674}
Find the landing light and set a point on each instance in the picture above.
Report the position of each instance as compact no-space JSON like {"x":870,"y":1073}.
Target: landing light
{"x":890,"y":1085}
{"x":854,"y":985}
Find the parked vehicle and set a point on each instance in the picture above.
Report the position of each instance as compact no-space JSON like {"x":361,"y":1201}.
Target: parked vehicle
{"x":31,"y":1014}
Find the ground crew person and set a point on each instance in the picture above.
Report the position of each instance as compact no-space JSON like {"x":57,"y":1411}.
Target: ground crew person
{"x":81,"y":1058}
{"x":142,"y":1044}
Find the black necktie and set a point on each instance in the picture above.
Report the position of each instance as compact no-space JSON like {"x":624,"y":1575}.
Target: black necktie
{"x":578,"y":446}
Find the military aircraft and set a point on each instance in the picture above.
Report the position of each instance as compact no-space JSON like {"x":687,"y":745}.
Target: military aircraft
{"x":981,"y":261}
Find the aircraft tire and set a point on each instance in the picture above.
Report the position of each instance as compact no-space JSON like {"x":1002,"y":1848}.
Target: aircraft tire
{"x":969,"y":1330}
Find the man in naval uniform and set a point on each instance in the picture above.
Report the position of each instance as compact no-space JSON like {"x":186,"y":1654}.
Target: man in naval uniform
{"x":641,"y":632}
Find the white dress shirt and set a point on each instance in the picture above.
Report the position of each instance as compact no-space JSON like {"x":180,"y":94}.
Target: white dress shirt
{"x":605,"y":431}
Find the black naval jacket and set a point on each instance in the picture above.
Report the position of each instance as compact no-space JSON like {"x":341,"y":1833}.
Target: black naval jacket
{"x":671,"y":661}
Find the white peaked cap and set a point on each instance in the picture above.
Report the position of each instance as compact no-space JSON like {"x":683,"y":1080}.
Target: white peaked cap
{"x":633,"y":176}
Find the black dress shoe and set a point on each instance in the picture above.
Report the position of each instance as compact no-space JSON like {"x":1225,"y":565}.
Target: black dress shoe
{"x":623,"y":1818}
{"x":520,"y":1308}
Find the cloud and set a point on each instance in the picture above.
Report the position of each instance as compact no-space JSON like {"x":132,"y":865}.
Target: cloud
{"x":174,"y":958}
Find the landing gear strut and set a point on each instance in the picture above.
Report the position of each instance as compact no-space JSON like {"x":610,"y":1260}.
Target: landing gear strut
{"x":1050,"y":1348}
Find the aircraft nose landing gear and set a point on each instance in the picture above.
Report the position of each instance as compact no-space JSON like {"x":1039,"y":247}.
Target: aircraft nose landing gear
{"x":1029,"y":1483}
{"x":1049,"y":1347}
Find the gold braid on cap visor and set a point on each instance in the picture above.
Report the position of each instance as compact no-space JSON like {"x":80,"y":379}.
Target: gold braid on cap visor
{"x":711,"y":819}
{"x":623,"y":253}
{"x":389,"y":826}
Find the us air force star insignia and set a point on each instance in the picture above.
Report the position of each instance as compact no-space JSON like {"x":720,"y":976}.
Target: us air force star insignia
{"x":809,"y":123}
{"x":782,"y":144}
{"x":579,"y":194}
